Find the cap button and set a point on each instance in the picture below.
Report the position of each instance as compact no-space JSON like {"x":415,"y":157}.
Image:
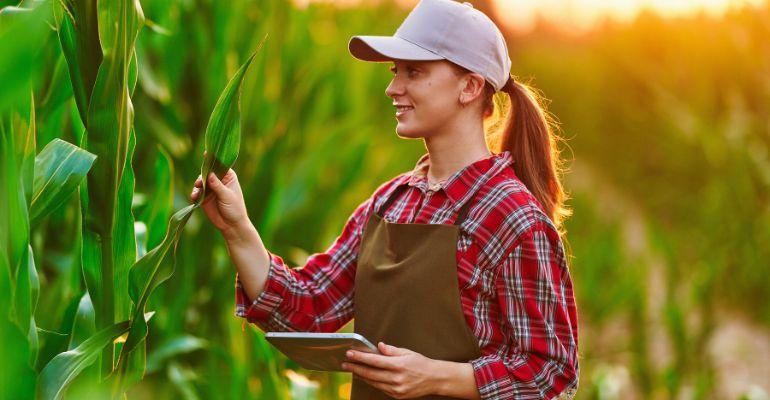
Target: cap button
{"x":468,"y":4}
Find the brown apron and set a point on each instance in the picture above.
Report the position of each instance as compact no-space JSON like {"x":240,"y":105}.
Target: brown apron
{"x":407,"y":293}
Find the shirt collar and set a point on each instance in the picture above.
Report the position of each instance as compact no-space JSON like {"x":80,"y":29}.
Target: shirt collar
{"x":458,"y":186}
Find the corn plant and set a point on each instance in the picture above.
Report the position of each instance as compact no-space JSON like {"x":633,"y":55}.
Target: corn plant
{"x":97,"y":40}
{"x":36,"y":186}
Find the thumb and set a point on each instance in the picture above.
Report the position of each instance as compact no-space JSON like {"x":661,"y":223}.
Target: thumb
{"x":391,"y":350}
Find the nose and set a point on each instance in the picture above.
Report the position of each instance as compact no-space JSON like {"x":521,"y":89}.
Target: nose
{"x":395,"y":88}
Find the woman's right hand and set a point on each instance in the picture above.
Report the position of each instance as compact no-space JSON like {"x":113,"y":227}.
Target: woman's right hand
{"x":224,"y":205}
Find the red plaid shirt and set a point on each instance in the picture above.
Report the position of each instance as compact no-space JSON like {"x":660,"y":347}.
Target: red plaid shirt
{"x":515,"y":285}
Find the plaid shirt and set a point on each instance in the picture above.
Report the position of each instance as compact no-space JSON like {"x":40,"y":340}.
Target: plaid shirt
{"x":515,"y":285}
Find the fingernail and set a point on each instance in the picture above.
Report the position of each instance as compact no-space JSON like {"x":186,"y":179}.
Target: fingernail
{"x":349,"y":353}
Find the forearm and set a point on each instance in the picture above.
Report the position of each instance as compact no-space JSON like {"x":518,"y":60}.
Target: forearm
{"x":456,"y":379}
{"x":249,"y":256}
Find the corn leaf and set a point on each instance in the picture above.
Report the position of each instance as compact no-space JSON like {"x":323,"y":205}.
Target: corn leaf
{"x":17,"y":378}
{"x":223,"y":132}
{"x":63,"y":368}
{"x":161,"y":203}
{"x":147,"y":274}
{"x":149,"y":271}
{"x":25,"y":297}
{"x":79,"y":39}
{"x":124,"y":237}
{"x":84,"y":323}
{"x":171,"y":348}
{"x":59,"y":169}
{"x":23,"y":32}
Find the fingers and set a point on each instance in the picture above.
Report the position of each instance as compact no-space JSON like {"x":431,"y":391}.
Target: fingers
{"x":213,"y":182}
{"x":375,"y":360}
{"x":230,"y":176}
{"x":217,"y":186}
{"x":197,"y":186}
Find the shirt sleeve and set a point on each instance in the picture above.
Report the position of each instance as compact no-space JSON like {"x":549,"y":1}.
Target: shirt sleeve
{"x":317,"y":297}
{"x":534,"y":292}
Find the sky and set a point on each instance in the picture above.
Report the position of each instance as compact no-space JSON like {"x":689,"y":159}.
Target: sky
{"x":579,"y":15}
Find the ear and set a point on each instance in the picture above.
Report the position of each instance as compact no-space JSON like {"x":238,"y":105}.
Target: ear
{"x":472,"y":87}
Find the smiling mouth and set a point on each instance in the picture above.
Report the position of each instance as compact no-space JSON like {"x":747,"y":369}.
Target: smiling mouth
{"x":401,"y":110}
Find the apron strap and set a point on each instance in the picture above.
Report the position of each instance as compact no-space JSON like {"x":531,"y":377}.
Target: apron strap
{"x":461,"y":215}
{"x":393,"y":196}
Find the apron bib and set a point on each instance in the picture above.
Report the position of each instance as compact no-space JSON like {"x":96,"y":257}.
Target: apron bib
{"x":407,"y":293}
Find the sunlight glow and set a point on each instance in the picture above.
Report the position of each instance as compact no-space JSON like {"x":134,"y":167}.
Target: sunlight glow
{"x":582,"y":14}
{"x":575,"y":15}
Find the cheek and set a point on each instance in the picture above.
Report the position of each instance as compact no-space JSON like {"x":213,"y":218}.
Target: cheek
{"x":439,"y":107}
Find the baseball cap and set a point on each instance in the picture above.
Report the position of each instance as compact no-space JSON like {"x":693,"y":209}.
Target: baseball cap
{"x":438,"y":30}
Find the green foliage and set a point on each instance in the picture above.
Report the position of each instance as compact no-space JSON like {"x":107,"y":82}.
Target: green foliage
{"x":59,"y":169}
{"x":665,"y":119}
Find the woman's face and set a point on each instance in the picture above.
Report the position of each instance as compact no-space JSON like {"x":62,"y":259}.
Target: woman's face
{"x":429,"y":92}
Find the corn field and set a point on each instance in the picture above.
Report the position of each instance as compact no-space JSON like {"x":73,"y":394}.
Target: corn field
{"x":112,"y":285}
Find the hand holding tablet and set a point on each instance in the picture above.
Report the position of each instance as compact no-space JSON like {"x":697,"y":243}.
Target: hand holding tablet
{"x":319,"y":351}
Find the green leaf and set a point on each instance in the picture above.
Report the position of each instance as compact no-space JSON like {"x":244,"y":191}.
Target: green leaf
{"x":59,"y":169}
{"x":161,"y":203}
{"x":223,"y":132}
{"x":84,"y":323}
{"x":79,"y":38}
{"x":23,"y":32}
{"x":170,"y":349}
{"x":26,"y":295}
{"x":124,"y":238}
{"x":17,"y":378}
{"x":182,"y":378}
{"x":63,"y":368}
{"x":147,"y":274}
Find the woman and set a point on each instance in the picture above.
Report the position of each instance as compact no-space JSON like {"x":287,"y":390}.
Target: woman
{"x":456,"y":269}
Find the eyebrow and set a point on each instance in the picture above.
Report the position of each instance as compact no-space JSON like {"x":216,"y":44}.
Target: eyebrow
{"x":393,"y":67}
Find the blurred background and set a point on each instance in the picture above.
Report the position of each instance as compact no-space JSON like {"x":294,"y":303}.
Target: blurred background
{"x":664,"y":106}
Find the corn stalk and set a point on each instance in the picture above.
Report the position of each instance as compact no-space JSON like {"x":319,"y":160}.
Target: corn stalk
{"x":97,"y":39}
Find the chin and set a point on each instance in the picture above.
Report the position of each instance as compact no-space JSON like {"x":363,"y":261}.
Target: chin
{"x":408,"y":132}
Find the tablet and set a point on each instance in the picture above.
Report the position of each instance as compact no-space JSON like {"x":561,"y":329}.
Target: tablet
{"x":319,"y":351}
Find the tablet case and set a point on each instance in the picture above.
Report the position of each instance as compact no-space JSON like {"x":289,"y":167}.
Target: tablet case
{"x":319,"y":351}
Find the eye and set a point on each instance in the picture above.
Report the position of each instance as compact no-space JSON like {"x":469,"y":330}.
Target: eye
{"x":409,"y":70}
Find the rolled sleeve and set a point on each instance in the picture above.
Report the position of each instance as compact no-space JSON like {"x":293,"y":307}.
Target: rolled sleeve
{"x":260,"y":310}
{"x":315,"y":297}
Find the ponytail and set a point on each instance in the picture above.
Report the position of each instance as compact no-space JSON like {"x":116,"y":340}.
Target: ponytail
{"x":528,"y":134}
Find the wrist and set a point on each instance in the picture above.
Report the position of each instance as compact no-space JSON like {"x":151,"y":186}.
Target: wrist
{"x":454,"y":379}
{"x":239,"y":233}
{"x":442,"y":377}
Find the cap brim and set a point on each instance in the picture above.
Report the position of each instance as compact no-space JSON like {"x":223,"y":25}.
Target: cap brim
{"x":388,"y":48}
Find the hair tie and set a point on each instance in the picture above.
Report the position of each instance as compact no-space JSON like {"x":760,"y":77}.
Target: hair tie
{"x":509,"y":84}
